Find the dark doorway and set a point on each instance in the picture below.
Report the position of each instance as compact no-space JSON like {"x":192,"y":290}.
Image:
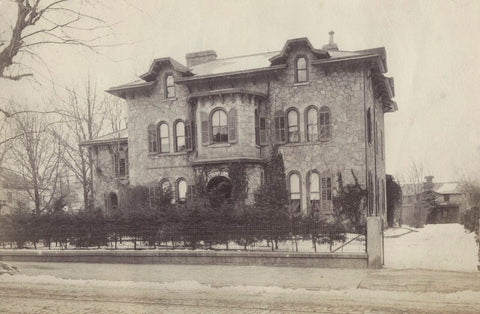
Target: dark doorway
{"x":219,"y":190}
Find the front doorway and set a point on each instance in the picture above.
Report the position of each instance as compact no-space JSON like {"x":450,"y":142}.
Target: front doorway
{"x":219,"y":190}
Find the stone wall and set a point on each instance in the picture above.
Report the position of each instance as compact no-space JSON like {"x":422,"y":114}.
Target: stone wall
{"x":144,"y":109}
{"x":104,"y":178}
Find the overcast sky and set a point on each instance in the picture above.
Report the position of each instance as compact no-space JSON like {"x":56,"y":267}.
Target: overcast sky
{"x":432,"y":52}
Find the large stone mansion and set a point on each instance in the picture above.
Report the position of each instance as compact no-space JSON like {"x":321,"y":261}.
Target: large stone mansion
{"x":323,"y":108}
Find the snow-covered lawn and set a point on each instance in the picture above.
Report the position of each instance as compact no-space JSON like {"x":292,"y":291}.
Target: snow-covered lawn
{"x":440,"y":246}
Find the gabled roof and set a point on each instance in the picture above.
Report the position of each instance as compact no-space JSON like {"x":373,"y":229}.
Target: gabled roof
{"x":280,"y":58}
{"x":269,"y":62}
{"x":152,"y":73}
{"x":12,"y":180}
{"x":438,"y":187}
{"x":114,"y":137}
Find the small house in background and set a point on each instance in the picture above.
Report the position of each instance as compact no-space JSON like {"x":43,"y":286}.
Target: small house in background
{"x":13,"y":192}
{"x":430,"y":202}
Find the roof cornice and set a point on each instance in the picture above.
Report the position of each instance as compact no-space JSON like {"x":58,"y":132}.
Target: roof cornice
{"x":189,"y":79}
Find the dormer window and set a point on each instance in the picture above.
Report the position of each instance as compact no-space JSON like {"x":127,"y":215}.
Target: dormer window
{"x":301,"y":70}
{"x":169,"y":86}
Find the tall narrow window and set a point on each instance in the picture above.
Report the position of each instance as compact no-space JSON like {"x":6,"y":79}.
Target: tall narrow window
{"x":280,"y":127}
{"x":179,"y":136}
{"x":312,"y":124}
{"x":181,"y":190}
{"x":324,"y":124}
{"x":219,"y":127}
{"x":152,"y":139}
{"x":314,"y":191}
{"x":301,"y":70}
{"x":169,"y":86}
{"x":112,"y":203}
{"x":326,"y":193}
{"x":163,"y":139}
{"x":295,"y":194}
{"x":293,"y":129}
{"x":121,"y":162}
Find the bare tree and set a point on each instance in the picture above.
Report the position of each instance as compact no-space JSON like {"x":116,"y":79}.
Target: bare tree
{"x":36,"y":155}
{"x":85,"y":117}
{"x":115,"y":113}
{"x":45,"y":22}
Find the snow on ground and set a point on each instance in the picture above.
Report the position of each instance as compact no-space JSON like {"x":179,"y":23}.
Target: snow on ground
{"x":438,"y":246}
{"x":467,"y":296}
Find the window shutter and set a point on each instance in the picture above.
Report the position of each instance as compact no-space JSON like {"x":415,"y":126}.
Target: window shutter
{"x":280,"y":127}
{"x":188,"y":136}
{"x":205,"y":128}
{"x":232,"y":126}
{"x":263,"y":131}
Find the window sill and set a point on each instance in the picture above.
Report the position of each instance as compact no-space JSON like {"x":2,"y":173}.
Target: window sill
{"x":218,"y":145}
{"x":301,"y":84}
{"x":170,"y":99}
{"x":166,"y":154}
{"x":304,"y":143}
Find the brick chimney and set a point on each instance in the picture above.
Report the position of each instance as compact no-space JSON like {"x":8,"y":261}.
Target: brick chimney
{"x":331,"y":43}
{"x":428,"y":185}
{"x":194,"y":58}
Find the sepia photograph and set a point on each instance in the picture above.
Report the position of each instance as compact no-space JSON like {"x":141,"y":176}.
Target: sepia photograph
{"x":239,"y":156}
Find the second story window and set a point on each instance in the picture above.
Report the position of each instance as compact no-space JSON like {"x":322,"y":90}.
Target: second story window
{"x":219,"y":127}
{"x":301,"y":74}
{"x":169,"y":86}
{"x":179,"y":136}
{"x":163,"y":140}
{"x":293,"y":129}
{"x":312,"y":124}
{"x":121,"y":162}
{"x":324,"y":124}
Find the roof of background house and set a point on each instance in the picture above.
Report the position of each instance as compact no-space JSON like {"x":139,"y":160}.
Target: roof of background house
{"x":119,"y":136}
{"x":438,"y":187}
{"x":12,"y":180}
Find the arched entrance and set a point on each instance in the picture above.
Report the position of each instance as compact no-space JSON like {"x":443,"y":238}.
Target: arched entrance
{"x":219,"y":189}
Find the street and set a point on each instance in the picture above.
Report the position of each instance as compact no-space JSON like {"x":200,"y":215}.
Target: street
{"x":249,"y":290}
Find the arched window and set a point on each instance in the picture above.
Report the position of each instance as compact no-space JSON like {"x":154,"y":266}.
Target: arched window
{"x":181,"y":190}
{"x":293,"y":128}
{"x":279,"y":127}
{"x":179,"y":129}
{"x":152,"y":139}
{"x":163,"y":139}
{"x":295,"y":191}
{"x":314,"y":191}
{"x":219,"y":127}
{"x":326,"y":186}
{"x":301,"y":74}
{"x":311,"y":122}
{"x":169,"y":86}
{"x":325,"y":124}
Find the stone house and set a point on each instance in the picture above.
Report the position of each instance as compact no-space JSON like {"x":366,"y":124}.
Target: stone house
{"x":449,"y":200}
{"x":323,"y":108}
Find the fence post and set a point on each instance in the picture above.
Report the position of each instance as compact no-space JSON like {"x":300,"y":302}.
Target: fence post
{"x":374,"y":242}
